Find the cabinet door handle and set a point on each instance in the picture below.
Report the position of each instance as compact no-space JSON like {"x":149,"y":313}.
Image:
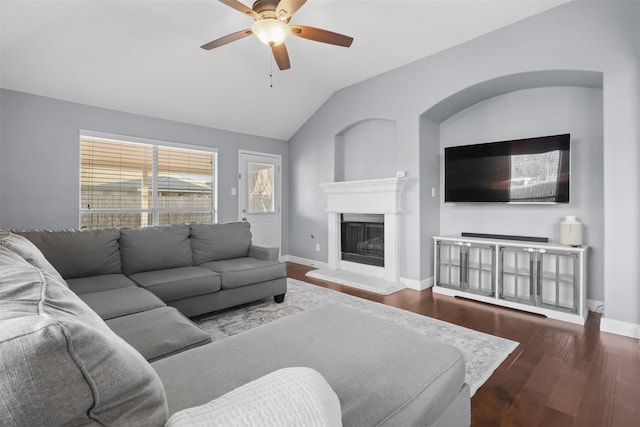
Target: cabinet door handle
{"x":539,"y":274}
{"x":531,"y":280}
{"x":463,"y":268}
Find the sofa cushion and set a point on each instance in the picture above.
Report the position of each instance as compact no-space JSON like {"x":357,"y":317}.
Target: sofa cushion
{"x":212,"y":242}
{"x":121,"y":302}
{"x":179,"y":283}
{"x":61,"y":365}
{"x":246,"y":271}
{"x":155,"y":248}
{"x":286,"y":397}
{"x":159,"y":333}
{"x":104,"y":282}
{"x":79,"y":253}
{"x":27,"y":250}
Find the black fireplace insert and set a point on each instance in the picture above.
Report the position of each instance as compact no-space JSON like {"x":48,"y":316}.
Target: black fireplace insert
{"x":362,"y":238}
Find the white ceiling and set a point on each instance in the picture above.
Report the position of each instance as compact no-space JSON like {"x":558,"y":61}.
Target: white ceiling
{"x":143,"y":56}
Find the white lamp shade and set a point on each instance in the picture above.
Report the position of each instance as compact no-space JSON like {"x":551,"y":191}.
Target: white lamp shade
{"x":270,"y":31}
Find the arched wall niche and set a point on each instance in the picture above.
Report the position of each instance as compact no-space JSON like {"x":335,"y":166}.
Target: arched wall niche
{"x":365,"y":150}
{"x":479,"y":92}
{"x":513,"y":106}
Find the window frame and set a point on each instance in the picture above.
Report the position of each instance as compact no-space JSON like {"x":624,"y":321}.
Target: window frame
{"x":155,"y":210}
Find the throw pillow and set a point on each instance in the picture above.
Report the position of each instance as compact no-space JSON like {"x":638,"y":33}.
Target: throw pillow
{"x":287,"y":397}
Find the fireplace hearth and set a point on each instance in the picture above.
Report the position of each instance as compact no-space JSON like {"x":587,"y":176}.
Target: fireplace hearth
{"x":362,"y":238}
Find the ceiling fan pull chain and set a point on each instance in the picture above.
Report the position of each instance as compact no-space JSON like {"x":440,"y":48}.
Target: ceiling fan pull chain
{"x":271,"y":71}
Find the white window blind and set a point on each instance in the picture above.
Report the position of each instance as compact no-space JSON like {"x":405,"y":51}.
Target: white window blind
{"x":132,"y":184}
{"x":185,"y":186}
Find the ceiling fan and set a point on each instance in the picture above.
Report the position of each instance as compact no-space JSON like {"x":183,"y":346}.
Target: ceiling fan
{"x":272,"y":28}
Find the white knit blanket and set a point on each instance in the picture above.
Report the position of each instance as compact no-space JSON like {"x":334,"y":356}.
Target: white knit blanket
{"x":287,"y":397}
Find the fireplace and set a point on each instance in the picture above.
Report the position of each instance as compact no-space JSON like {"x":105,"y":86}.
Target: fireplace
{"x":362,"y":238}
{"x":380,"y":197}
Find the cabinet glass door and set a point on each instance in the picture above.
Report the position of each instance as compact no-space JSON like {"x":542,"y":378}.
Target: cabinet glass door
{"x":481,"y":269}
{"x":449,"y":265}
{"x":517,"y":275}
{"x":558,"y":273}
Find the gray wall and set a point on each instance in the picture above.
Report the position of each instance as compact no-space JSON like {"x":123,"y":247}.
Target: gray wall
{"x":591,"y":36}
{"x":39,"y":168}
{"x":1,"y":100}
{"x":366,"y":151}
{"x":530,"y":113}
{"x":429,"y":192}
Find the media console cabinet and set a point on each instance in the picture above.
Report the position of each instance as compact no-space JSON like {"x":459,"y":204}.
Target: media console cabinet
{"x":543,"y":278}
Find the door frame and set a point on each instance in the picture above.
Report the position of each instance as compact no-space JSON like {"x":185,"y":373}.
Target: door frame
{"x":278,"y":189}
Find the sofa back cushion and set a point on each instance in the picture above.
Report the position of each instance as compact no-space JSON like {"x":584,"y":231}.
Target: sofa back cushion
{"x":155,"y":248}
{"x":28,"y":251}
{"x":79,"y":253}
{"x":214,"y":242}
{"x":61,"y":364}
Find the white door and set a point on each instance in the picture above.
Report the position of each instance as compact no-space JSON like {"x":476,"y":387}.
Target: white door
{"x":259,"y":196}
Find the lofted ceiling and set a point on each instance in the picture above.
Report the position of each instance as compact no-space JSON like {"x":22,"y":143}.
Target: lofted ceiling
{"x":144,"y":56}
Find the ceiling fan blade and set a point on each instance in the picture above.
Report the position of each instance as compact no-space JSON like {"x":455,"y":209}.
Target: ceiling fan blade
{"x":281,"y":56}
{"x":320,"y":35}
{"x":227,"y":39}
{"x":287,"y":8}
{"x":240,"y":7}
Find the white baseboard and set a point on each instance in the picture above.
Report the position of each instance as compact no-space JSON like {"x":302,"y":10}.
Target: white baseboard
{"x":595,"y":306}
{"x":304,"y":261}
{"x":620,"y":328}
{"x":418,"y":285}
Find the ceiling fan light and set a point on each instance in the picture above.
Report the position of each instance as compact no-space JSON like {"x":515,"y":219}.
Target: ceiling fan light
{"x":271,"y":31}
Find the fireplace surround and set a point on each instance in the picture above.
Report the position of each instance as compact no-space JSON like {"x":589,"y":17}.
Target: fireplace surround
{"x":372,"y":196}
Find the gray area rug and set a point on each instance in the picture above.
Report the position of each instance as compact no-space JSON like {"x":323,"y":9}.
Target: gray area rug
{"x":483,"y":353}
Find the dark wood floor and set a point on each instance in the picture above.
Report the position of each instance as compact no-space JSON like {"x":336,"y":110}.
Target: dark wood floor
{"x":560,"y":375}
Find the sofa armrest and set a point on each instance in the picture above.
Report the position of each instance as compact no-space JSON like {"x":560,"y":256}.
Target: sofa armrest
{"x":263,"y":253}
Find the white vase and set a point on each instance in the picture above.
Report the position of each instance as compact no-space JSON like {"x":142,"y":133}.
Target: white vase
{"x":571,"y":231}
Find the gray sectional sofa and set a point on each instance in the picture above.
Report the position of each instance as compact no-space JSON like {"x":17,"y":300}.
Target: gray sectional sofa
{"x":197,"y":268}
{"x":108,"y":351}
{"x":145,"y":282}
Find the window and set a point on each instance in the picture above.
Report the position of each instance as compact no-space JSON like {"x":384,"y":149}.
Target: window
{"x":260,"y":192}
{"x":136,"y":184}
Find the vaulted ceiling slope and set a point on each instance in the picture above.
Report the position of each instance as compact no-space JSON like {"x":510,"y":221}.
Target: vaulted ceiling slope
{"x":144,"y":56}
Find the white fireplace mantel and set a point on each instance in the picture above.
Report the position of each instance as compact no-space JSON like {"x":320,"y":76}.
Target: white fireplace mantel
{"x":379,"y":196}
{"x":371,"y":196}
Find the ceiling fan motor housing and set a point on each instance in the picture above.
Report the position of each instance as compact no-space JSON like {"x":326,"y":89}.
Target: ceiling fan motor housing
{"x":260,"y":6}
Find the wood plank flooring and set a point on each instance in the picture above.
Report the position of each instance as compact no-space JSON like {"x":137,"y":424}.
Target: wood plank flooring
{"x":560,"y":375}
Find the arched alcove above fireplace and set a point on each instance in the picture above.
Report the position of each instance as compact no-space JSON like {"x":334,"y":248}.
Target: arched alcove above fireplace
{"x":365,"y":150}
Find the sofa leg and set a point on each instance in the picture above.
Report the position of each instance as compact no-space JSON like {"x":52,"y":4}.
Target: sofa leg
{"x":279,"y":298}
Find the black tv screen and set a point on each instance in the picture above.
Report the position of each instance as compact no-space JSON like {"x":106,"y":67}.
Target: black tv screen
{"x":533,"y":170}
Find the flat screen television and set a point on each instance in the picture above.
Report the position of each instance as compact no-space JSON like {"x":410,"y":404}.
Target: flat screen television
{"x":532,"y":170}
